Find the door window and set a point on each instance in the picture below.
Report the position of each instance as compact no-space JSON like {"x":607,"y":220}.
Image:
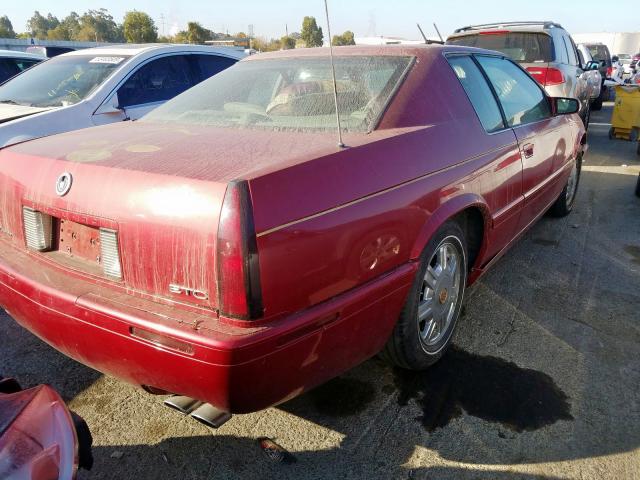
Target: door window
{"x":520,"y":96}
{"x":156,"y":81}
{"x":8,"y":68}
{"x":478,"y":91}
{"x":209,"y":65}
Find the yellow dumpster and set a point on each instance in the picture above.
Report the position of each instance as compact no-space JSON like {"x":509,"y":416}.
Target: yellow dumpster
{"x":625,"y":119}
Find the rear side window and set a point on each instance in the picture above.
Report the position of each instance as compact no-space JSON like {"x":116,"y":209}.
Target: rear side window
{"x":526,"y":47}
{"x":478,"y":91}
{"x":209,"y":65}
{"x":157,"y":81}
{"x":520,"y":96}
{"x":8,"y":68}
{"x":23,"y":64}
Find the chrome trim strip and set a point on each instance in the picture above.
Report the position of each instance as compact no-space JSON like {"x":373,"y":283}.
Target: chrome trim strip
{"x":381,"y":192}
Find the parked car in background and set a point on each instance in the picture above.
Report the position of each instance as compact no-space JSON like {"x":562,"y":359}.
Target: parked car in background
{"x":625,"y":60}
{"x":12,"y":63}
{"x":102,"y":85}
{"x":228,"y":235}
{"x":600,"y":53}
{"x":49,"y":51}
{"x":634,"y":62}
{"x":591,"y":75}
{"x":544,"y":49}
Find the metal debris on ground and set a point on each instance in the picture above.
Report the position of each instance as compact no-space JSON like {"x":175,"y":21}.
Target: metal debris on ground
{"x":275,"y":452}
{"x":117,"y":454}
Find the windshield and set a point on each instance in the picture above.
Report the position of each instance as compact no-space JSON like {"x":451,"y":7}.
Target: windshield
{"x":60,"y":81}
{"x":519,"y":46}
{"x":290,"y":94}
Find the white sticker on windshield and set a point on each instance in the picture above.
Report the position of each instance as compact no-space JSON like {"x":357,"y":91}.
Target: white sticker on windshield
{"x":113,"y":60}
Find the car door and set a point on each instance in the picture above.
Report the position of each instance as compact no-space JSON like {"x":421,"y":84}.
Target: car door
{"x":503,"y":185}
{"x":154,"y":83}
{"x":527,"y":111}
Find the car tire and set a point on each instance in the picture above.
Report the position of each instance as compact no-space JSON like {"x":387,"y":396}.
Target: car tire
{"x":638,"y":185}
{"x":565,"y":201}
{"x":638,"y":149}
{"x":587,"y":117}
{"x":428,"y":318}
{"x":597,"y":103}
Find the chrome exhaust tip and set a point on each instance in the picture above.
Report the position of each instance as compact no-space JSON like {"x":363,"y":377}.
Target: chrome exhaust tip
{"x":184,"y":405}
{"x":210,"y":415}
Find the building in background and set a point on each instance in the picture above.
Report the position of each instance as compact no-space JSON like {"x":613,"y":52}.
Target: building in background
{"x":21,"y":44}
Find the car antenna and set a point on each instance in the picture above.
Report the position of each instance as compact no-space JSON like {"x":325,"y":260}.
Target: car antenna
{"x":438,"y":32}
{"x":333,"y":76}
{"x":426,"y":40}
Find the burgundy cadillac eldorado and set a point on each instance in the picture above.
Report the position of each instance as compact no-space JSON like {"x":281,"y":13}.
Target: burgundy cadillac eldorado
{"x":228,"y":249}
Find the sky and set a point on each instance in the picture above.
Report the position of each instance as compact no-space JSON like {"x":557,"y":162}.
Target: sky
{"x":271,"y":18}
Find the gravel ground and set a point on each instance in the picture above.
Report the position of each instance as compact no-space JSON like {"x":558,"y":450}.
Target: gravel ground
{"x":544,"y":380}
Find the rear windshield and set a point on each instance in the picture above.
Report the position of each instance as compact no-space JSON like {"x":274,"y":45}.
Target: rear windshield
{"x":599,"y":52}
{"x":294,"y":94}
{"x":522,"y":47}
{"x":60,"y":81}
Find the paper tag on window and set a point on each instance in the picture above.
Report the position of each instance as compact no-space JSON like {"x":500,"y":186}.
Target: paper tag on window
{"x":113,"y":60}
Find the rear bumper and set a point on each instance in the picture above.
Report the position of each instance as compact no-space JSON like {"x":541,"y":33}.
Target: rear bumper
{"x":237,"y":369}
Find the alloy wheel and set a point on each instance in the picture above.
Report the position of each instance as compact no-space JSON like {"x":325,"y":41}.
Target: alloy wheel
{"x":439,"y":294}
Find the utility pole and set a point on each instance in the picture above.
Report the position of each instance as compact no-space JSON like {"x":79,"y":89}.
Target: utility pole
{"x":162,"y":22}
{"x":286,"y":29}
{"x":250,"y":32}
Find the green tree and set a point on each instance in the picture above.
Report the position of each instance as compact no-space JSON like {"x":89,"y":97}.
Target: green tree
{"x":288,"y":43}
{"x":138,"y":27}
{"x":98,"y":25}
{"x":196,"y":33}
{"x":6,"y":28}
{"x":39,"y":25}
{"x":311,"y":34}
{"x":67,"y":29}
{"x":345,"y":39}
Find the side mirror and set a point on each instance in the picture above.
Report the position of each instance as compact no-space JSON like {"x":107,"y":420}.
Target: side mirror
{"x":565,"y":106}
{"x":111,"y":106}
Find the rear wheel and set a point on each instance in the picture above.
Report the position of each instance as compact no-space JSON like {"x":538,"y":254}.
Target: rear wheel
{"x":597,"y":103}
{"x":587,"y":117}
{"x":429,"y":316}
{"x":564,"y":204}
{"x":638,"y":187}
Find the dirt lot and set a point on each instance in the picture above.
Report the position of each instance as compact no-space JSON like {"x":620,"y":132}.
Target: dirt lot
{"x":544,"y":381}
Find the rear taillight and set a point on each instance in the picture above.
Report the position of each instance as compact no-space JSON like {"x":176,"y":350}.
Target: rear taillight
{"x":547,"y":76}
{"x":38,"y":232}
{"x":238,"y":273}
{"x":609,"y":71}
{"x":109,"y":253}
